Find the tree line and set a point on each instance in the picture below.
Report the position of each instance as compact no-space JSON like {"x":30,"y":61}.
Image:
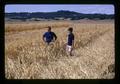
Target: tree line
{"x":56,"y":15}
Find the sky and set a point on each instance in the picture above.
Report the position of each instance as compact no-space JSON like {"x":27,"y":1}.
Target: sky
{"x":87,"y":9}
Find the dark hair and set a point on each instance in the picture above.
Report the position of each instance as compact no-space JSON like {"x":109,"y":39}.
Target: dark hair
{"x":49,"y":28}
{"x":70,"y":29}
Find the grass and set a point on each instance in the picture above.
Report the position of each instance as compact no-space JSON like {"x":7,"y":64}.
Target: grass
{"x":32,"y":26}
{"x":26,"y":56}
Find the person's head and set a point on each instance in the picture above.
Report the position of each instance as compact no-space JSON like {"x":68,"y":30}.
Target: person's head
{"x":70,"y":30}
{"x":49,"y":28}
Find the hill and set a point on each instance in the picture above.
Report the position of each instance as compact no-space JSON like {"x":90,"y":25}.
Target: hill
{"x":62,"y":14}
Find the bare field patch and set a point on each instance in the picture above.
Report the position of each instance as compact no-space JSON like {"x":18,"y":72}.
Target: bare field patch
{"x":26,"y":56}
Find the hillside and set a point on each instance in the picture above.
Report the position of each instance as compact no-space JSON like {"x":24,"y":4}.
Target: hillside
{"x":62,"y":14}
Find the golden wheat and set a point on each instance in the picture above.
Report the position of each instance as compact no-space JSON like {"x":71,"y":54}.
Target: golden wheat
{"x":26,"y":55}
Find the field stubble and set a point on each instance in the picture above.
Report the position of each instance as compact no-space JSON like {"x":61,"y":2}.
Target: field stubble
{"x":26,"y":56}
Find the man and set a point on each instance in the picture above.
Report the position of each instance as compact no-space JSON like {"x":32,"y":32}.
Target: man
{"x":70,"y":42}
{"x":49,"y":36}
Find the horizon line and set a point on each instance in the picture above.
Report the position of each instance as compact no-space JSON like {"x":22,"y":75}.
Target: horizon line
{"x":58,"y":11}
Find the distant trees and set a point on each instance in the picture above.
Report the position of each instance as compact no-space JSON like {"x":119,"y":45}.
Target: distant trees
{"x":56,"y":15}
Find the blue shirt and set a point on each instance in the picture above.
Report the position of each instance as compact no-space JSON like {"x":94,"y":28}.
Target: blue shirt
{"x":70,"y":38}
{"x":49,"y":36}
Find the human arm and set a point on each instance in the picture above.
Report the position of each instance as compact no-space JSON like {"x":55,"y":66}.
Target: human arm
{"x":55,"y":37}
{"x":43,"y":37}
{"x":73,"y":42}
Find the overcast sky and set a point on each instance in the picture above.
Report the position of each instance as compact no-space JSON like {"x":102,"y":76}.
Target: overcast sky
{"x":103,"y":9}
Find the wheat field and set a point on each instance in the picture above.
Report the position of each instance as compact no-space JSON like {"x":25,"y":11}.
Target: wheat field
{"x":27,"y":57}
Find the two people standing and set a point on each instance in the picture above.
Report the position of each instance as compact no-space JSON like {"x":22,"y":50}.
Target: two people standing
{"x":49,"y":37}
